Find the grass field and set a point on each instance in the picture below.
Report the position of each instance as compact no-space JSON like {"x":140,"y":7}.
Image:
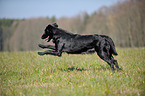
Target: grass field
{"x":27,"y":74}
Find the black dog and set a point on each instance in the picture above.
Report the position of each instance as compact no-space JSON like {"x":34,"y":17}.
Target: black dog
{"x":79,"y":44}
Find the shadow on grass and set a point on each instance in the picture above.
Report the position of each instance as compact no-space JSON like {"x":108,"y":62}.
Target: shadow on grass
{"x":103,"y":68}
{"x":74,"y":69}
{"x":108,"y":68}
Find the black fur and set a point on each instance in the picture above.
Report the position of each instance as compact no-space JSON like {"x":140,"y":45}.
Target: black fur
{"x":78,"y":44}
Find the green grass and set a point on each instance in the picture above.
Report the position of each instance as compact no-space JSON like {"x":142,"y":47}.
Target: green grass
{"x":26,"y":73}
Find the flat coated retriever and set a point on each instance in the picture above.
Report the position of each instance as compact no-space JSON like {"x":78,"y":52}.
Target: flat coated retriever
{"x":78,"y":44}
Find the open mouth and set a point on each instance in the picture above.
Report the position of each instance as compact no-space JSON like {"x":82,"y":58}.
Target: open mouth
{"x":47,"y":39}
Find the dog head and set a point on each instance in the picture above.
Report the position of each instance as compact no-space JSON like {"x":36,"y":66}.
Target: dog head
{"x":48,"y":32}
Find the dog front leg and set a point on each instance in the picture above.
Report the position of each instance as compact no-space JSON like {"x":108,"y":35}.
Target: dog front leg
{"x":55,"y":53}
{"x":47,"y":46}
{"x":58,"y":52}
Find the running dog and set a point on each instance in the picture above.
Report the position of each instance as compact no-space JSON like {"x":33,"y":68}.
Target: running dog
{"x":78,"y":44}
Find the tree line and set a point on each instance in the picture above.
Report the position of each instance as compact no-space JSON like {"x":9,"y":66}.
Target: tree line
{"x":124,"y":22}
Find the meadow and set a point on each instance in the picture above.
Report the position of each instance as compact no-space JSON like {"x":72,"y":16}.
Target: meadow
{"x":27,"y":74}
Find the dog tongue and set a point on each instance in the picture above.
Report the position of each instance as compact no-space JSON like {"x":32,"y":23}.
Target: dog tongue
{"x":47,"y":39}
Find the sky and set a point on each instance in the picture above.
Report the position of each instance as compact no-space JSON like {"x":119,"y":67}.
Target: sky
{"x":21,"y":9}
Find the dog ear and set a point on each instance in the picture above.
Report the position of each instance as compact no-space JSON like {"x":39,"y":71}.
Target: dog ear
{"x":49,"y":26}
{"x":55,"y":25}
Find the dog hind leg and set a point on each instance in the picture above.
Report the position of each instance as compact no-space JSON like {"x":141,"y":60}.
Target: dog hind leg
{"x":115,"y":63}
{"x":103,"y":51}
{"x":103,"y":56}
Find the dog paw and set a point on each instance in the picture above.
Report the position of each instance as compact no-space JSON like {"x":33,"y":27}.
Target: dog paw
{"x":40,"y":53}
{"x":119,"y":69}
